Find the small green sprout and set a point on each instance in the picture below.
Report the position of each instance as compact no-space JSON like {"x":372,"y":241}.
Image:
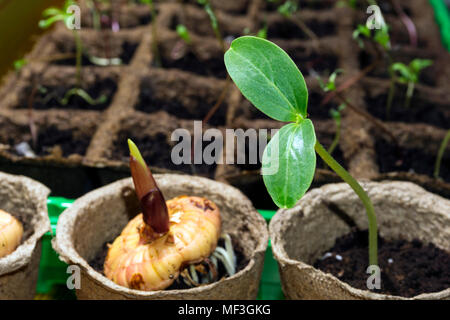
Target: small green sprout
{"x":271,"y":81}
{"x":409,"y":75}
{"x":380,"y":36}
{"x":19,"y":64}
{"x":437,"y":165}
{"x":331,"y":83}
{"x":183,"y":32}
{"x":288,"y":8}
{"x":53,"y":15}
{"x":262,"y":33}
{"x":214,"y":22}
{"x":336,"y":115}
{"x":84,"y":95}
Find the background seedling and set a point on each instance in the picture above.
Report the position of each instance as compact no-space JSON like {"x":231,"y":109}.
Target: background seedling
{"x":214,"y":23}
{"x":288,"y":9}
{"x":336,"y":115}
{"x":330,"y":86}
{"x":409,"y":75}
{"x":269,"y":79}
{"x":437,"y":166}
{"x":53,"y":15}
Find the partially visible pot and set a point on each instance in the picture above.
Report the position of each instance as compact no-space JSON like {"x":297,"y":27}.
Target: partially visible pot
{"x":26,"y":200}
{"x":100,"y":216}
{"x":302,"y":234}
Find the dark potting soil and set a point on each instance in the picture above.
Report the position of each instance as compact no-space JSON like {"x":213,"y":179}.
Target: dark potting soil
{"x":127,"y":53}
{"x":99,"y":260}
{"x":52,"y":138}
{"x":50,"y":97}
{"x":420,"y":110}
{"x":285,"y":29}
{"x":320,"y":63}
{"x":156,"y":151}
{"x":408,"y":268}
{"x":391,"y":158}
{"x":148,"y":103}
{"x":213,"y":67}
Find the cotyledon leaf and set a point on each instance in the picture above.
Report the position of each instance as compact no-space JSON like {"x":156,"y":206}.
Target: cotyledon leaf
{"x":267,"y":77}
{"x":289,"y":163}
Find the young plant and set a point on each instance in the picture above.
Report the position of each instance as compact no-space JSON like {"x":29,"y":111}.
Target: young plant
{"x":330,"y":86}
{"x":287,"y":10}
{"x":336,"y":115}
{"x":409,"y":75}
{"x":53,"y":15}
{"x":379,"y":36}
{"x":437,"y":165}
{"x":167,"y":239}
{"x":155,"y":47}
{"x":269,"y":79}
{"x":214,"y":23}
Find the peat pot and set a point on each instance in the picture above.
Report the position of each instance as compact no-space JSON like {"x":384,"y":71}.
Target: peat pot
{"x":99,"y":217}
{"x":303,"y":234}
{"x":26,"y":200}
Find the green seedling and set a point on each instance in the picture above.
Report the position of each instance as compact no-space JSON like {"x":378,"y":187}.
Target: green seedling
{"x":336,"y":115}
{"x":214,"y":22}
{"x":84,"y":95}
{"x":437,"y":165}
{"x":155,"y":47}
{"x":330,"y":86}
{"x":288,"y":9}
{"x":52,"y":15}
{"x":379,"y":36}
{"x":271,"y":81}
{"x":409,"y":75}
{"x":183,"y":33}
{"x":19,"y":64}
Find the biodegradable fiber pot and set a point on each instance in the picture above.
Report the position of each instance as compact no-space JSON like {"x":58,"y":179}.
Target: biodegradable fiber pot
{"x":100,"y":216}
{"x":25,"y":199}
{"x":302,"y":234}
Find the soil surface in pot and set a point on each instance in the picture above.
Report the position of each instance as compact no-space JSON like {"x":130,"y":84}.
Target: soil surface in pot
{"x":420,"y":111}
{"x":50,"y":97}
{"x":392,"y":158}
{"x":407,"y":268}
{"x":99,"y":260}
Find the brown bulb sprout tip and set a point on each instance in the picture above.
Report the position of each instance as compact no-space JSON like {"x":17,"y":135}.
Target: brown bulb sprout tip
{"x":154,"y":208}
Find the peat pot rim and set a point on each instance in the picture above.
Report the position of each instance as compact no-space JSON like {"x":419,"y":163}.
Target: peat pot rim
{"x":36,"y":193}
{"x":63,"y":243}
{"x":281,"y":221}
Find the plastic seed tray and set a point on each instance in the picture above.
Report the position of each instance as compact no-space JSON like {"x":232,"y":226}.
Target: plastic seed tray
{"x":81,"y":146}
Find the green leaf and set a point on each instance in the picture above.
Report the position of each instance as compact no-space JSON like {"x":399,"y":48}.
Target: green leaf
{"x":267,"y":77}
{"x":418,"y":64}
{"x":404,"y":71}
{"x":289,"y":163}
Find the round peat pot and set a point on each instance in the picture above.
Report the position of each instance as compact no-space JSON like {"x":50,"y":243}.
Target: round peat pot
{"x":301,"y":236}
{"x":26,"y":200}
{"x":99,"y":217}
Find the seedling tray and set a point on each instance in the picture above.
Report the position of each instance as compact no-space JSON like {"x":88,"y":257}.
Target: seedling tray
{"x":53,"y":276}
{"x":81,"y":147}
